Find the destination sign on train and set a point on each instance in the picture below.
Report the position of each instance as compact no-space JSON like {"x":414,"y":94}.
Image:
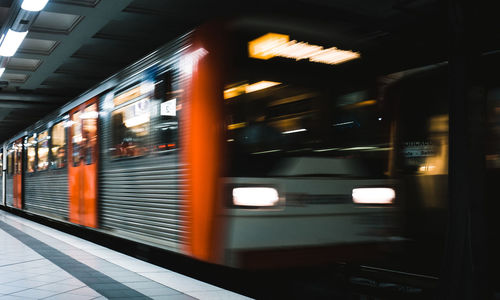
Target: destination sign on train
{"x":274,"y":44}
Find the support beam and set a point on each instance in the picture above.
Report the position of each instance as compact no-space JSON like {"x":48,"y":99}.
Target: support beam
{"x":26,"y":105}
{"x":30,"y":98}
{"x":465,"y":264}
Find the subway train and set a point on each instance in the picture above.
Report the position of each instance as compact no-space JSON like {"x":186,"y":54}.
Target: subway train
{"x":248,"y":145}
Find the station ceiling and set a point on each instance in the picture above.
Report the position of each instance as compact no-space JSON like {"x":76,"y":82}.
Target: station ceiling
{"x":75,"y":44}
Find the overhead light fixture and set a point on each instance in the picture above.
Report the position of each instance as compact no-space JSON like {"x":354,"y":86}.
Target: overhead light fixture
{"x":34,"y":5}
{"x":89,"y":115}
{"x":11,"y":42}
{"x":361,"y":148}
{"x":248,"y":88}
{"x":275,"y":44}
{"x":20,"y":22}
{"x":235,"y":91}
{"x":137,"y":120}
{"x":261,"y":85}
{"x":236,"y":126}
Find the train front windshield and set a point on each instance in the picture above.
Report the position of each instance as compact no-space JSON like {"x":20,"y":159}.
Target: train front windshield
{"x":283,"y":110}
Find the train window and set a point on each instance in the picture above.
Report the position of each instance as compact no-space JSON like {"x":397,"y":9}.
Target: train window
{"x":130,"y":127}
{"x":422,"y":147}
{"x":286,"y":122}
{"x":43,"y":151}
{"x":76,"y":138}
{"x":31,"y":153}
{"x":168,"y":124}
{"x":58,"y":147}
{"x":89,"y":131}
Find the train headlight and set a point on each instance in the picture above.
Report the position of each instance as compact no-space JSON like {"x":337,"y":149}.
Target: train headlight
{"x":373,"y":195}
{"x":255,"y":196}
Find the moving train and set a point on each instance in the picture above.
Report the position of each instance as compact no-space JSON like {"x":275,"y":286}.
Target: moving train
{"x":244,"y":145}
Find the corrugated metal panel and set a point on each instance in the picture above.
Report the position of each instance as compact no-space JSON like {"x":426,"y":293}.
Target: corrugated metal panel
{"x":47,"y":193}
{"x":9,"y":191}
{"x":142,"y":196}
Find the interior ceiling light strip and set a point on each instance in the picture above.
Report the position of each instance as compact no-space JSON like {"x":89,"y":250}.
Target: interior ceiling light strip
{"x":274,"y":44}
{"x":248,"y":88}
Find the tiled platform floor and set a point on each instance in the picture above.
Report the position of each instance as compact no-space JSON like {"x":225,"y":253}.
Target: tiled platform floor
{"x":38,"y":262}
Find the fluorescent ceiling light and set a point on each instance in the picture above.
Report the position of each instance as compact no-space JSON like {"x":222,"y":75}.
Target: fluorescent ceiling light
{"x":34,"y":5}
{"x":68,"y":123}
{"x":235,"y":91}
{"x":267,"y":151}
{"x":325,"y":150}
{"x":358,"y":148}
{"x":11,"y":42}
{"x":128,"y":95}
{"x":138,"y":120}
{"x":236,"y":126}
{"x":294,"y":131}
{"x":255,"y":196}
{"x":89,"y":115}
{"x":248,"y":88}
{"x":373,"y":195}
{"x":1,"y":71}
{"x":261,"y":85}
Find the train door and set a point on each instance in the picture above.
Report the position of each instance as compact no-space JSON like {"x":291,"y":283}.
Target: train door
{"x":82,"y":164}
{"x":15,"y":174}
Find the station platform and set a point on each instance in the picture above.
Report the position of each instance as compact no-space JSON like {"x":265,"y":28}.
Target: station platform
{"x":39,"y":262}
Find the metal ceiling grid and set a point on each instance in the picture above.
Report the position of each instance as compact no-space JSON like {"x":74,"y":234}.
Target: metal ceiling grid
{"x":72,"y":45}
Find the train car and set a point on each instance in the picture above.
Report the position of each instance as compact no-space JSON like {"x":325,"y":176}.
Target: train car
{"x":422,"y":157}
{"x":237,"y":144}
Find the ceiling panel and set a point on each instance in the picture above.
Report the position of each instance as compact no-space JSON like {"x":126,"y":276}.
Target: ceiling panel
{"x":37,"y":46}
{"x":26,"y":64}
{"x":66,"y":80}
{"x":15,"y":77}
{"x":55,"y":22}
